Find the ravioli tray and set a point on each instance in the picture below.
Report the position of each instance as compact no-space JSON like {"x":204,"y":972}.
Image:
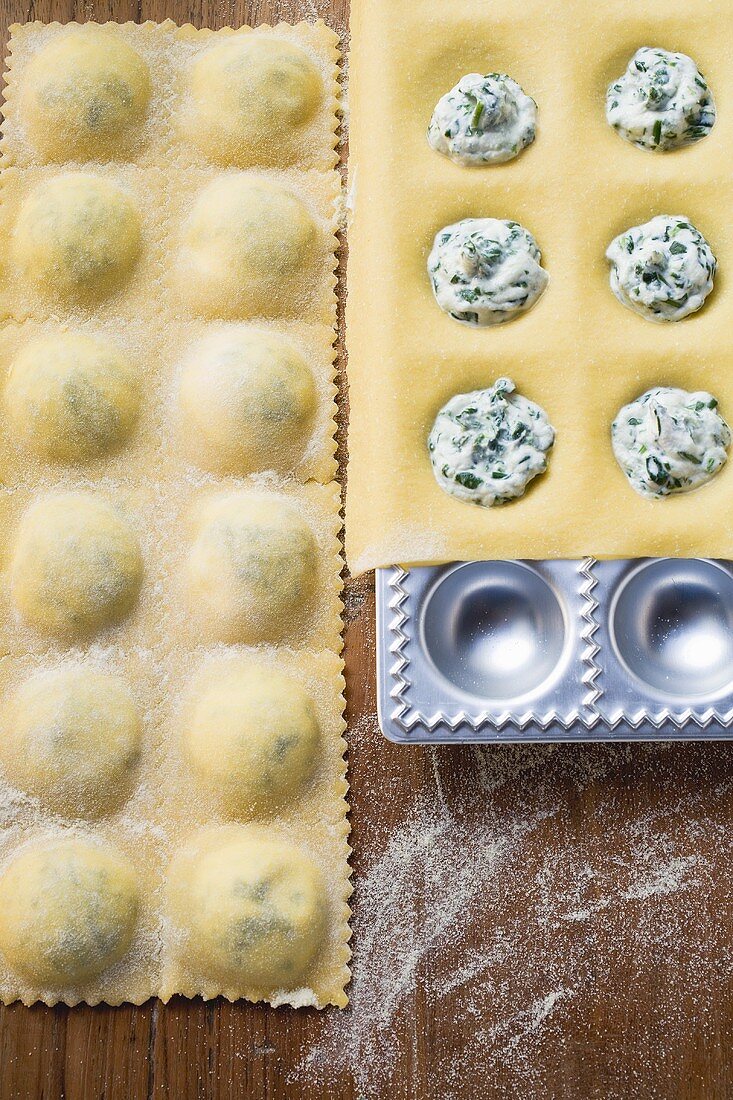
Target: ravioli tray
{"x":563,"y":650}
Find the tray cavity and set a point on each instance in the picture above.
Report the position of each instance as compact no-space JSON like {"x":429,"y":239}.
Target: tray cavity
{"x":493,"y":629}
{"x":671,"y":625}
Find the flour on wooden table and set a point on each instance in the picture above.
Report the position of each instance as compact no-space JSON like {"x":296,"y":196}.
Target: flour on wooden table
{"x":492,"y":843}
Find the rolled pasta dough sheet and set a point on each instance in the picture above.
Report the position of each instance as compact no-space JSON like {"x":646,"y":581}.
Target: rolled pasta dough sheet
{"x":577,"y":353}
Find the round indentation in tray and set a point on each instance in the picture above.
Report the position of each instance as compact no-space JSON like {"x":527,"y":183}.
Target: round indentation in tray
{"x":495,"y":629}
{"x":672,"y":626}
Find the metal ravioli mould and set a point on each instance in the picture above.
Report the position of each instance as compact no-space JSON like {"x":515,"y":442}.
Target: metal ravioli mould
{"x":548,"y":651}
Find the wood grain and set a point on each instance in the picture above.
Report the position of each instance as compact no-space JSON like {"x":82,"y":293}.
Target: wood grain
{"x":647,"y":1011}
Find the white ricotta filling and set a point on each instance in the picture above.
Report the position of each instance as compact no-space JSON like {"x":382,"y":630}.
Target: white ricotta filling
{"x":663,"y":270}
{"x":485,"y":271}
{"x":486,"y":446}
{"x":483,"y":120}
{"x":661,"y":102}
{"x":670,"y":441}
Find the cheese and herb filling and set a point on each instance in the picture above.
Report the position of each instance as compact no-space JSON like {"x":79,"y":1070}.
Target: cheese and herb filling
{"x":485,"y":271}
{"x":663,"y":270}
{"x":661,"y":102}
{"x":483,"y":120}
{"x":486,"y":446}
{"x":670,"y":441}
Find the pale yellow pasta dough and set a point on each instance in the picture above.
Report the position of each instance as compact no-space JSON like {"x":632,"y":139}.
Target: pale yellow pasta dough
{"x":250,"y":98}
{"x":247,"y":402}
{"x":70,"y":398}
{"x":84,"y":95}
{"x":68,"y":910}
{"x":77,"y":236}
{"x":252,"y":567}
{"x":76,"y":565}
{"x":71,"y":737}
{"x":577,"y":354}
{"x":243,"y":244}
{"x":251,"y":736}
{"x":251,"y":911}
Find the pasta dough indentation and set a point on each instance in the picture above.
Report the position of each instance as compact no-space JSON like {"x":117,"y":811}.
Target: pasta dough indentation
{"x":252,"y":568}
{"x":244,"y":243}
{"x":68,"y":911}
{"x":251,"y":737}
{"x":85,"y":95}
{"x":77,"y":236}
{"x":247,"y":402}
{"x":71,"y":398}
{"x":76,"y":565}
{"x":250,"y":99}
{"x":71,"y":738}
{"x":252,"y":911}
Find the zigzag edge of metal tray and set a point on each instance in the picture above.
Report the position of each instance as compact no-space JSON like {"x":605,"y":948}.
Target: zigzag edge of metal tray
{"x":549,"y":651}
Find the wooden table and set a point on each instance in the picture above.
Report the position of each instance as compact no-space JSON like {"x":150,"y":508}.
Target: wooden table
{"x":529,"y":922}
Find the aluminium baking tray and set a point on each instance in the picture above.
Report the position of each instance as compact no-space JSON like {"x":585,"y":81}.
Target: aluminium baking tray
{"x":549,"y":651}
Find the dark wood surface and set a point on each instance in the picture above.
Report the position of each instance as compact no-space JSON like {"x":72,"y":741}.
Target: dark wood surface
{"x":533,"y":923}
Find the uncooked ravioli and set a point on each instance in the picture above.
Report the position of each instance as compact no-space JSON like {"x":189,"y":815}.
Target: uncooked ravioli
{"x":68,"y":911}
{"x":252,"y":567}
{"x":85,"y":95}
{"x":77,"y":236}
{"x":76,"y":565}
{"x":250,"y":98}
{"x":244,"y":246}
{"x":71,"y":398}
{"x":250,"y":911}
{"x":71,"y":738}
{"x":247,"y":400}
{"x":251,"y":737}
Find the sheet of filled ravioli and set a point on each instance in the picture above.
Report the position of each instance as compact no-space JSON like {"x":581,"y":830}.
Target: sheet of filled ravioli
{"x":577,"y":352}
{"x":171,"y":696}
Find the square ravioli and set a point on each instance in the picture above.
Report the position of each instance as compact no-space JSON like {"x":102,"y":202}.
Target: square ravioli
{"x":172,"y":763}
{"x":80,"y":566}
{"x":248,"y":398}
{"x":81,"y":399}
{"x":576,"y":353}
{"x":80,"y":243}
{"x":248,"y":244}
{"x":254,"y":562}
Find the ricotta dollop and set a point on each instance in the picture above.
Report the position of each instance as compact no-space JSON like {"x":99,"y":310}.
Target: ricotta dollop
{"x":670,"y":441}
{"x":661,"y":102}
{"x":485,"y":271}
{"x":483,"y":120}
{"x":663,"y":270}
{"x":486,"y":446}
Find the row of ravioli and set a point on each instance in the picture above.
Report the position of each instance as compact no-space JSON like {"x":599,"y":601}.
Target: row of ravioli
{"x":225,"y":244}
{"x":241,"y":911}
{"x":160,"y":93}
{"x":228,"y":562}
{"x":231,"y":399}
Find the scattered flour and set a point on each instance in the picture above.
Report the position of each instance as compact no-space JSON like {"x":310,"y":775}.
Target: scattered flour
{"x":518,"y":889}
